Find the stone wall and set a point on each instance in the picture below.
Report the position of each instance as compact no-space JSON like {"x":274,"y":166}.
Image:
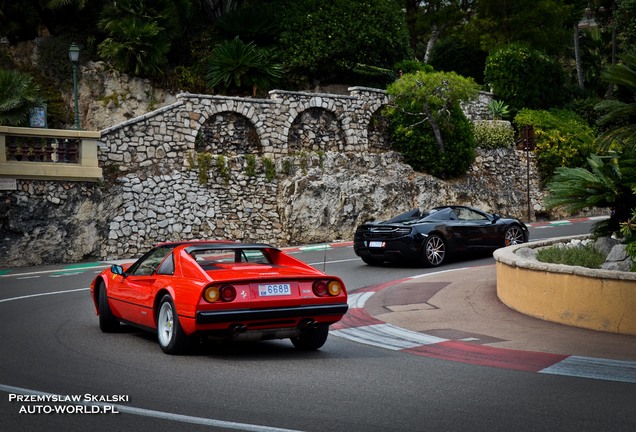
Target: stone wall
{"x":295,"y":168}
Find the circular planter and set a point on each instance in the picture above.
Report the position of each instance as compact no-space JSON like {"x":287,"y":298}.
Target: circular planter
{"x":603,"y":300}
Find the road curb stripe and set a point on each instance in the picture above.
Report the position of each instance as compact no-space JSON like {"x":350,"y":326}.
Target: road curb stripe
{"x":360,"y":326}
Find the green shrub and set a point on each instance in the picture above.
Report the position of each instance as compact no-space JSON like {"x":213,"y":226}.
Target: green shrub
{"x":411,"y":66}
{"x":270,"y":169}
{"x":18,"y":94}
{"x":584,"y":256}
{"x":418,"y":146}
{"x":628,"y":230}
{"x":423,"y":104}
{"x":562,"y":138}
{"x":490,"y":134}
{"x":224,"y":170}
{"x":204,"y":160}
{"x":250,"y":165}
{"x":524,"y":78}
{"x":498,"y":109}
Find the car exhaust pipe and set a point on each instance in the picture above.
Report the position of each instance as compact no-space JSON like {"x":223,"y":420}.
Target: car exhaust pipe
{"x":307,"y":324}
{"x":236,"y":329}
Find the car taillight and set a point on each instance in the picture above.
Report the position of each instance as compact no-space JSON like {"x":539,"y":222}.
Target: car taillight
{"x":226,"y":293}
{"x":334,"y":287}
{"x":322,"y":288}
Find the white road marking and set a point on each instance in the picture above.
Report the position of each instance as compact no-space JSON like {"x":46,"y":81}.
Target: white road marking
{"x":387,"y":336}
{"x":590,"y":367}
{"x":155,"y":414}
{"x":41,"y":295}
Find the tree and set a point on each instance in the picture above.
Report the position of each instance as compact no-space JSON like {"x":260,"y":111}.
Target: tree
{"x":139,"y":35}
{"x":322,"y":40}
{"x":539,"y":24}
{"x":18,"y":94}
{"x":238,"y":64}
{"x":427,"y":124}
{"x":621,"y":113}
{"x":524,"y":77}
{"x":608,"y":183}
{"x":438,"y":18}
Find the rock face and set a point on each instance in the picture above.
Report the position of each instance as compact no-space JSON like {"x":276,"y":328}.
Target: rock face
{"x":109,"y":97}
{"x":47,"y":222}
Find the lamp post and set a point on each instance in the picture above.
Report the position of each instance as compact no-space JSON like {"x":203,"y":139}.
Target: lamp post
{"x":73,"y":55}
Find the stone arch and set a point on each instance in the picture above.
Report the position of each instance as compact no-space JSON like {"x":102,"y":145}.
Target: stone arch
{"x":378,"y":131}
{"x":315,"y":129}
{"x":230,"y":133}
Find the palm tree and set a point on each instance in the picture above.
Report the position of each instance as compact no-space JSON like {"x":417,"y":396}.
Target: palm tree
{"x":238,"y":64}
{"x":139,"y":34}
{"x":18,"y":94}
{"x":622,"y":136}
{"x":610,"y":182}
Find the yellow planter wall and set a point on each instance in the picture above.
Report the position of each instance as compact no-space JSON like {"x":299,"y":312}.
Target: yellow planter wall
{"x":594,"y":299}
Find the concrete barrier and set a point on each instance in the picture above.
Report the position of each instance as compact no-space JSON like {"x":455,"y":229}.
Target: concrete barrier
{"x":600,"y":300}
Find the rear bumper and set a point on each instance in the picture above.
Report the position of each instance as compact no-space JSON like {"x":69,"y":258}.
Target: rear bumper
{"x":245,"y":315}
{"x":393,"y":250}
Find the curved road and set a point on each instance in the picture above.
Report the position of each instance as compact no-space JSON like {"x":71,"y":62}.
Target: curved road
{"x":52,"y":352}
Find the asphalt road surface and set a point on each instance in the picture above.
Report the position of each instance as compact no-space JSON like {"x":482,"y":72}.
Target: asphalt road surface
{"x":58,"y":372}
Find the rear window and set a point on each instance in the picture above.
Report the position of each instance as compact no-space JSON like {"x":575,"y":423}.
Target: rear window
{"x":208,"y":258}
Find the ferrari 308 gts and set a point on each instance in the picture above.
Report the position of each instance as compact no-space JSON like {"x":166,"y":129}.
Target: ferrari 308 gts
{"x":428,"y":238}
{"x":223,"y":290}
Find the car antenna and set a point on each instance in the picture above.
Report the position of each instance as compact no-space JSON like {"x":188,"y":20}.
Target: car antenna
{"x":324,"y":259}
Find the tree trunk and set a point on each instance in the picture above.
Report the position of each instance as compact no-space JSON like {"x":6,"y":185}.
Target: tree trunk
{"x":577,"y":57}
{"x":610,"y":89}
{"x":431,"y":43}
{"x":434,"y":126}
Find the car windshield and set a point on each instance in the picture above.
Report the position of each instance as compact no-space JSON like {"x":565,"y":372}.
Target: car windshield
{"x":208,"y":259}
{"x":441,"y":214}
{"x":147,"y":264}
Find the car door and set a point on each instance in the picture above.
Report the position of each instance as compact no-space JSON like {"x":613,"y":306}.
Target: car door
{"x":134,"y":292}
{"x":477,"y":228}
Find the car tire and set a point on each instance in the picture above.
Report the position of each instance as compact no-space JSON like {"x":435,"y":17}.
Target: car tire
{"x":172,"y":339}
{"x":311,"y":339}
{"x":108,"y":323}
{"x":513,"y":236}
{"x":433,"y":251}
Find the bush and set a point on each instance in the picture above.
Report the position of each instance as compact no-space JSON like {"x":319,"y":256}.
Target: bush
{"x":524,"y":78}
{"x":562,"y":138}
{"x":492,"y":134}
{"x":584,"y":256}
{"x":417,"y":144}
{"x":423,"y":103}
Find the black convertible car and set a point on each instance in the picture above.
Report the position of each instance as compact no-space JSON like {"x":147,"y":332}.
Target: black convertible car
{"x":428,"y":238}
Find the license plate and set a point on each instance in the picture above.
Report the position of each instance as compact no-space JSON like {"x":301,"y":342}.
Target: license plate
{"x":376,"y":244}
{"x":274,"y":290}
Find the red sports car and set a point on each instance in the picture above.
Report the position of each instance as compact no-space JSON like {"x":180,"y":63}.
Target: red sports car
{"x":223,"y":290}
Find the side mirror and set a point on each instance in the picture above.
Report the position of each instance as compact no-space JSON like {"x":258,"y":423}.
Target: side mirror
{"x":495,"y":217}
{"x":117,"y":269}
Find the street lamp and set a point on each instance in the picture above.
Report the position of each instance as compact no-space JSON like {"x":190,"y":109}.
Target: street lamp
{"x":73,"y":55}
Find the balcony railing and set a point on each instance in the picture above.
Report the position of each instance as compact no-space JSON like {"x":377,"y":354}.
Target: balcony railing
{"x":31,"y":153}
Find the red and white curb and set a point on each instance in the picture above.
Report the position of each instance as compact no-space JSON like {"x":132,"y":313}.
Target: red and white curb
{"x":359,"y":326}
